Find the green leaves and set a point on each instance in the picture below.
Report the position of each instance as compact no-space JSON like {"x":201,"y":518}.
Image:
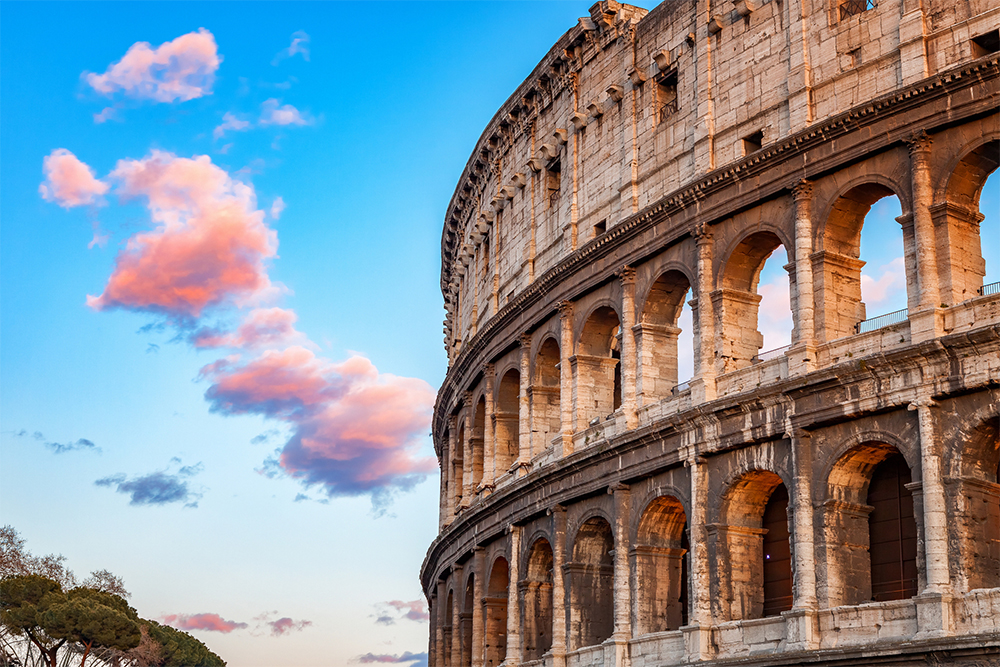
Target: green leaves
{"x":94,"y":619}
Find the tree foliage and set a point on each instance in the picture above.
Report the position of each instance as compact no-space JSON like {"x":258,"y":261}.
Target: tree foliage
{"x":41,"y":605}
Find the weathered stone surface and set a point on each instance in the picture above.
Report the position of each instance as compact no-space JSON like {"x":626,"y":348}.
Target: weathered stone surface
{"x":595,"y":512}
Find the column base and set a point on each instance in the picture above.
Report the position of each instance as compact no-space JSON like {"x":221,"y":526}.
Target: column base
{"x":520,"y":469}
{"x":567,"y":444}
{"x":555,"y":658}
{"x":934,"y":615}
{"x":926,"y":324}
{"x":802,"y":629}
{"x":801,"y":358}
{"x":702,"y":390}
{"x":699,"y":643}
{"x":616,"y":652}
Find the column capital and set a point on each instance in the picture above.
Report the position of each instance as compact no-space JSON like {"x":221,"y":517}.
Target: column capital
{"x":618,"y":488}
{"x":919,"y":142}
{"x":921,"y":403}
{"x":802,"y":191}
{"x":555,"y":509}
{"x":524,"y":340}
{"x":467,"y":399}
{"x":702,"y":233}
{"x":565,"y":309}
{"x":489,"y":370}
{"x":452,"y":422}
{"x":626,"y":274}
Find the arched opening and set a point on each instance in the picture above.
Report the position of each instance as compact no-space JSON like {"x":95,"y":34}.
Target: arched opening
{"x":657,"y":337}
{"x":466,"y":621}
{"x":458,"y":466}
{"x":837,"y":268}
{"x":478,"y":442}
{"x":661,"y":545}
{"x":495,"y":605}
{"x":537,"y":595}
{"x":447,"y":628}
{"x":591,"y":576}
{"x":596,"y":367}
{"x":506,"y":436}
{"x":545,"y":410}
{"x":742,"y":545}
{"x":892,"y":532}
{"x":777,"y":554}
{"x":737,"y":304}
{"x":869,"y":531}
{"x":968,"y":233}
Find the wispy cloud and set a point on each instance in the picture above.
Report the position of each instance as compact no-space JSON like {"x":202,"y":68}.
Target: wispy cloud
{"x":888,"y":288}
{"x":774,"y":319}
{"x":263,"y":327}
{"x":208,"y":621}
{"x":273,"y":112}
{"x":299,"y":45}
{"x":277,"y":207}
{"x":393,"y":610}
{"x":179,"y":70}
{"x":230,"y":123}
{"x":406,"y":657}
{"x":157,"y":488}
{"x":69,"y":182}
{"x":80,"y":444}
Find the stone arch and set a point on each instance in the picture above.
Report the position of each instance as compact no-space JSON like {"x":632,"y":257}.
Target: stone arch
{"x":909,"y":450}
{"x":660,"y":566}
{"x":591,"y":575}
{"x":506,"y":433}
{"x":736,"y":303}
{"x":837,"y":266}
{"x":536,"y":592}
{"x":597,"y":367}
{"x":746,"y":586}
{"x":957,"y":219}
{"x":478,"y":441}
{"x":853,"y":513}
{"x":495,"y":612}
{"x":656,"y":334}
{"x":544,"y":394}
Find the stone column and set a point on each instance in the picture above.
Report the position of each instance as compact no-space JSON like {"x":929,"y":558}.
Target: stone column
{"x":444,"y":490}
{"x":627,"y":277}
{"x":621,"y":590}
{"x":559,"y":639}
{"x":923,"y":326}
{"x":467,"y":454}
{"x":439,"y":611}
{"x":478,"y":637}
{"x":803,"y":626}
{"x":513,"y":607}
{"x":432,"y":641}
{"x":524,"y":408}
{"x":698,"y":632}
{"x":452,"y":481}
{"x":703,"y":385}
{"x":802,"y":354}
{"x":456,"y":617}
{"x":489,"y":433}
{"x":566,"y":376}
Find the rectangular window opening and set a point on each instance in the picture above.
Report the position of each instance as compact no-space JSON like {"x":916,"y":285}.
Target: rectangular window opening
{"x":600,"y":227}
{"x":753,"y":143}
{"x":552,"y":180}
{"x":855,"y":57}
{"x":983,"y":45}
{"x":850,"y":8}
{"x":485,"y":268}
{"x":666,"y":95}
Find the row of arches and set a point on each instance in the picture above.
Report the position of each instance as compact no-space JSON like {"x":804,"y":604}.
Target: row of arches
{"x":869,"y":533}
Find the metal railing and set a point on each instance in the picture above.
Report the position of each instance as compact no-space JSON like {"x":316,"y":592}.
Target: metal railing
{"x":679,"y":388}
{"x":875,"y":323}
{"x":989,"y":289}
{"x":761,"y":357}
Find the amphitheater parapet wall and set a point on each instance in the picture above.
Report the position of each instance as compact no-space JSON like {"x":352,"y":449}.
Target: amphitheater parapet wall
{"x":597,"y":509}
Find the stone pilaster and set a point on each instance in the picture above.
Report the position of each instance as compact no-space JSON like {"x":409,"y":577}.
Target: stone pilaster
{"x":925,"y":323}
{"x":453,"y":483}
{"x":432,"y":639}
{"x":703,"y":385}
{"x":489,"y":432}
{"x":513,"y":607}
{"x":560,"y":639}
{"x":802,"y":622}
{"x":802,"y":354}
{"x":456,"y":616}
{"x":698,"y":644}
{"x":524,"y":408}
{"x":566,"y":376}
{"x":439,"y":612}
{"x":478,"y":636}
{"x":622,"y":592}
{"x":467,"y":454}
{"x":628,"y":361}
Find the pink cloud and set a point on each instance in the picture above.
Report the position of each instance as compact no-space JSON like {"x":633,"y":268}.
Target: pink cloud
{"x":285,"y":625}
{"x":230,"y":122}
{"x":774,"y":319}
{"x":179,"y":70}
{"x":416,"y":610}
{"x":68,"y":181}
{"x":888,"y":287}
{"x":407,"y":656}
{"x":106,"y":114}
{"x":209,"y":247}
{"x":208,"y":622}
{"x":263,"y":327}
{"x":355,"y":429}
{"x":274,"y":113}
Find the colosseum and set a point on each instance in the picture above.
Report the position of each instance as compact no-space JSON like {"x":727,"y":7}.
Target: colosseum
{"x":834,"y":501}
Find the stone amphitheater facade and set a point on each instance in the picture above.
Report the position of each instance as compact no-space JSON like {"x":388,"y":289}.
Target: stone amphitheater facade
{"x":834,"y":502}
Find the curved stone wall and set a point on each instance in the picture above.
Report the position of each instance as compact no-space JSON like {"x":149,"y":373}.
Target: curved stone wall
{"x":833,"y":498}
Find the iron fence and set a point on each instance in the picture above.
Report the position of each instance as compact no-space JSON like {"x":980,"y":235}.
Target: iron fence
{"x":876,"y":323}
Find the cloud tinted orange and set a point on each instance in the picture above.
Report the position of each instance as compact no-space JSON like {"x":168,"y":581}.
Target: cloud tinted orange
{"x":68,"y":181}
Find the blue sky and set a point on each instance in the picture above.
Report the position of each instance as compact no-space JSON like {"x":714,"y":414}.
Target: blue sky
{"x":360,"y":118}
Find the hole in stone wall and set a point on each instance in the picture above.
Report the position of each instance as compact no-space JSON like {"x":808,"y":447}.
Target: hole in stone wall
{"x":983,"y":45}
{"x":753,"y":142}
{"x":600,"y":227}
{"x":666,"y":95}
